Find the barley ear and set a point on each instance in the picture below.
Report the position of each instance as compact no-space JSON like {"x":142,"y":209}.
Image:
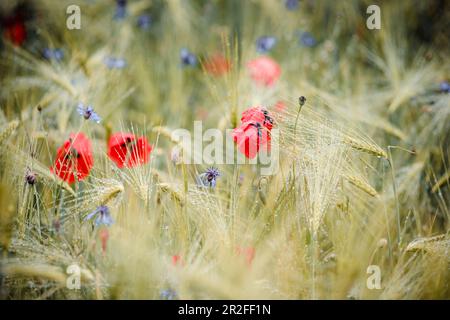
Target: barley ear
{"x":8,"y":130}
{"x":176,"y":195}
{"x":361,"y":184}
{"x":365,"y":147}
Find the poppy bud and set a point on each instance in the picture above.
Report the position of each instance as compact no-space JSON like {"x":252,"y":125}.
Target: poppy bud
{"x":301,"y":100}
{"x":30,"y":177}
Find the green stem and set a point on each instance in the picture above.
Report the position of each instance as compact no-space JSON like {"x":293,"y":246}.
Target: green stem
{"x":397,"y":208}
{"x":293,"y":165}
{"x":313,"y":262}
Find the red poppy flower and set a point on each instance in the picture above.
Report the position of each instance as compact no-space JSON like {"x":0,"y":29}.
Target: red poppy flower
{"x":254,"y":131}
{"x":126,"y":149}
{"x":217,"y":65}
{"x":74,"y":157}
{"x":264,"y":71}
{"x":260,"y":115}
{"x":15,"y":30}
{"x":177,"y":260}
{"x":250,"y":137}
{"x":247,"y":252}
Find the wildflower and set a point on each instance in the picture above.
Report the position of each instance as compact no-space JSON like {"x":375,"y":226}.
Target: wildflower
{"x":264,"y":71}
{"x":291,"y":4}
{"x":115,"y":63}
{"x":250,"y":137}
{"x":53,"y":54}
{"x":254,"y":132}
{"x":175,"y":155}
{"x":260,"y":115}
{"x":144,"y":21}
{"x":247,"y":252}
{"x":208,"y":178}
{"x":88,"y":113}
{"x":74,"y":158}
{"x":15,"y":30}
{"x":30,"y":177}
{"x":217,"y":65}
{"x":168,"y":294}
{"x":177,"y":260}
{"x":187,"y":58}
{"x":307,"y":39}
{"x":444,"y":86}
{"x":103,"y":216}
{"x":265,"y":43}
{"x":126,"y":149}
{"x":121,"y":9}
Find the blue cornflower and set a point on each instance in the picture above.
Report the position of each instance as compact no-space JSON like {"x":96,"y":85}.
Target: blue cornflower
{"x":208,"y":178}
{"x":103,"y":216}
{"x":121,"y":9}
{"x":115,"y":63}
{"x":187,"y":58}
{"x":292,"y":4}
{"x":265,"y":44}
{"x":307,"y":39}
{"x":88,"y":113}
{"x":168,"y":294}
{"x":53,"y":54}
{"x":144,"y":21}
{"x":444,"y":86}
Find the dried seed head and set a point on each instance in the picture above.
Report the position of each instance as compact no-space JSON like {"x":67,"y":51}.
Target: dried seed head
{"x":301,"y":101}
{"x":30,"y":178}
{"x":382,"y":243}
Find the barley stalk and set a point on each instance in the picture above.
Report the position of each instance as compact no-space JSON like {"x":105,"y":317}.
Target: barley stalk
{"x":43,"y":271}
{"x":365,"y":147}
{"x":164,"y":131}
{"x":108,"y":191}
{"x":442,"y":180}
{"x":361,"y":184}
{"x":175,"y":194}
{"x":40,"y":271}
{"x":8,"y":130}
{"x":437,"y":245}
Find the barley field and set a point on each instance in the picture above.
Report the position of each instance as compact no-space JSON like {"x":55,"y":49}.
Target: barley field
{"x":99,"y":199}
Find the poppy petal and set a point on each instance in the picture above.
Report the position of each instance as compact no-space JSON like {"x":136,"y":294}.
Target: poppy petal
{"x":264,"y":71}
{"x":125,"y":149}
{"x":74,"y":158}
